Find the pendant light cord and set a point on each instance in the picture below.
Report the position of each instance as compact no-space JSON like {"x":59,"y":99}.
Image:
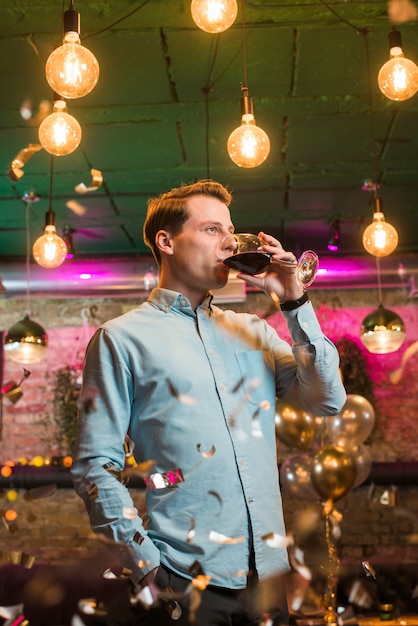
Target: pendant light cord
{"x":379,"y":282}
{"x":371,"y":110}
{"x":28,"y":307}
{"x":244,"y":47}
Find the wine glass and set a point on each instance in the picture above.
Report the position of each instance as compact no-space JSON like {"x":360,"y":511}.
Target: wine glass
{"x":249,"y":257}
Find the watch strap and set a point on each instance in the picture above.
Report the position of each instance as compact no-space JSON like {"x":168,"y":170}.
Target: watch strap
{"x":291,"y":305}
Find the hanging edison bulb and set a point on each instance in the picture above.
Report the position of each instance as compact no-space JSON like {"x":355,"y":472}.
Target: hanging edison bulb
{"x":398,"y":77}
{"x":50,"y":250}
{"x":26,"y":341}
{"x":60,"y":133}
{"x":382,"y":331}
{"x":248,"y":145}
{"x":379,"y":238}
{"x":72,"y":70}
{"x":214,"y":16}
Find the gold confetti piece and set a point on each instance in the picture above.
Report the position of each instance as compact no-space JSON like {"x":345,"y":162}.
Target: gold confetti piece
{"x":128,"y":446}
{"x":111,"y":575}
{"x":129,"y":512}
{"x":369,"y":569}
{"x":359,"y":595}
{"x":275,"y":299}
{"x":174,"y":609}
{"x":21,"y":558}
{"x":265,"y":405}
{"x":37,"y":493}
{"x":208,"y":453}
{"x":216,"y":495}
{"x":274,"y":540}
{"x":396,"y":375}
{"x":138,"y":538}
{"x":297,"y":561}
{"x":388,"y":497}
{"x":181,"y":397}
{"x":11,"y":391}
{"x":191,"y":533}
{"x":92,"y":491}
{"x":201,"y":582}
{"x":141,"y":469}
{"x":76,"y":207}
{"x":96,"y":181}
{"x":219,"y":538}
{"x":90,"y":606}
{"x":88,"y":399}
{"x":15,"y":172}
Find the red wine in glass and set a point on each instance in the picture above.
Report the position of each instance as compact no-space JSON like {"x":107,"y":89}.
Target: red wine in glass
{"x":248,"y":257}
{"x":249,"y":262}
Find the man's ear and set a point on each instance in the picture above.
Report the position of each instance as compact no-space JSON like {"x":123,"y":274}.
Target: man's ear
{"x":164,"y":242}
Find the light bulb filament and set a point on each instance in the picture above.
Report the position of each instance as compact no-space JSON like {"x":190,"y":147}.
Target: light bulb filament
{"x":60,"y":131}
{"x":399,"y":78}
{"x":215,"y":12}
{"x":72,"y":70}
{"x":50,"y":249}
{"x":249,"y":145}
{"x":380,"y":239}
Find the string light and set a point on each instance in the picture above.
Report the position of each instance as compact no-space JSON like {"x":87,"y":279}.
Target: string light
{"x":248,"y":145}
{"x":50,"y":250}
{"x":60,"y":133}
{"x":398,"y":77}
{"x":379,"y":238}
{"x":72,"y":70}
{"x":26,"y":341}
{"x":214,"y":16}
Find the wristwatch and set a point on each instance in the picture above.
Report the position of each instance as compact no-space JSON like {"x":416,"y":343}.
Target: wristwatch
{"x":291,"y":305}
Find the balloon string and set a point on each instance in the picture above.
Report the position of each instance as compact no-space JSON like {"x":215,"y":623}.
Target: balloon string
{"x":330,"y":616}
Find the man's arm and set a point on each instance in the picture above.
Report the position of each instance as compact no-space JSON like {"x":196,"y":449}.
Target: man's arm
{"x":99,"y":457}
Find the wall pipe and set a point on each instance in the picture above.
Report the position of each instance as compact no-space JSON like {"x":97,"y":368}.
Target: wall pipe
{"x":399,"y":473}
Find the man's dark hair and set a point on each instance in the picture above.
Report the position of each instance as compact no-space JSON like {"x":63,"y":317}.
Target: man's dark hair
{"x":169,"y":210}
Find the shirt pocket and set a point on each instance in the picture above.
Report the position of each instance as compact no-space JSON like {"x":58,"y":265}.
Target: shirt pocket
{"x":257,"y":375}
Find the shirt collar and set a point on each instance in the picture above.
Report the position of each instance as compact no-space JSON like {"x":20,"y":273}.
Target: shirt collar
{"x":168,"y":300}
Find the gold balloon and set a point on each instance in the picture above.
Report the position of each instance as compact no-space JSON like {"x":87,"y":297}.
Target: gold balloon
{"x":294,"y":427}
{"x":334,"y":472}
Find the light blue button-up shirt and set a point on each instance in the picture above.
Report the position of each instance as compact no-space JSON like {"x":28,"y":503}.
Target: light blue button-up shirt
{"x":196,"y":392}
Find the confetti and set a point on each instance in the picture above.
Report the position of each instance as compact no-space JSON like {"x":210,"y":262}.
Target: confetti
{"x":191,"y":533}
{"x":92,"y":491}
{"x":181,"y":397}
{"x":274,"y":540}
{"x":129,"y":512}
{"x":219,"y":538}
{"x":16,"y":172}
{"x":368,"y":569}
{"x":96,"y":181}
{"x":88,"y":399}
{"x":208,"y":453}
{"x":164,"y":480}
{"x":92,"y":607}
{"x":174,"y":610}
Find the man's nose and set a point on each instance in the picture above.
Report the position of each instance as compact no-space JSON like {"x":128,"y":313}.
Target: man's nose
{"x":229,"y":242}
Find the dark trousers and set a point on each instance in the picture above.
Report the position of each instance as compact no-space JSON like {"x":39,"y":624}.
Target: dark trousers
{"x":260,"y":604}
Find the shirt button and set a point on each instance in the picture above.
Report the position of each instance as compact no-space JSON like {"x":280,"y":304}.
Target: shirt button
{"x":223,"y":387}
{"x":305,"y":325}
{"x":183,"y":302}
{"x":212,"y":352}
{"x":250,"y":500}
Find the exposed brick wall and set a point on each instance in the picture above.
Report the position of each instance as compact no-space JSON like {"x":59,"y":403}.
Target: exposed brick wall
{"x":56,"y":529}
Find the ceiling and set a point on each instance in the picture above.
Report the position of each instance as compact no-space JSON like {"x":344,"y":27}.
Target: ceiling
{"x":167,"y":99}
